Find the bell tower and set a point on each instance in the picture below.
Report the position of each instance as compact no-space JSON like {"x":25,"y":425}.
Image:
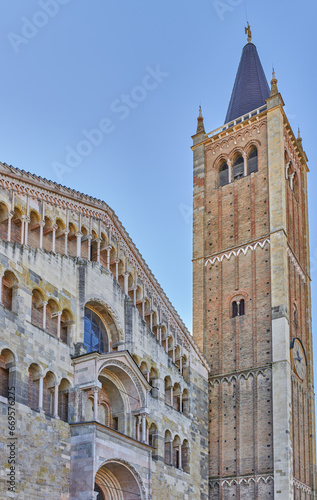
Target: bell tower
{"x":251,"y":294}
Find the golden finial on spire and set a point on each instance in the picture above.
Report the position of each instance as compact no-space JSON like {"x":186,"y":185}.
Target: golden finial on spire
{"x":247,"y":31}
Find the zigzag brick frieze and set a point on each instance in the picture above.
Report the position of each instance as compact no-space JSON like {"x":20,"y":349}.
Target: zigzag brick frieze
{"x":237,"y":251}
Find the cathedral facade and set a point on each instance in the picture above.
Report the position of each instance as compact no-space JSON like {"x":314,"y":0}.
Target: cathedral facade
{"x":104,"y":393}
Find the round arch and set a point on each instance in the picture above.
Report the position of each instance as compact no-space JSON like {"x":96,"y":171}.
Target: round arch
{"x":118,"y":480}
{"x":122,"y":373}
{"x":109,"y":317}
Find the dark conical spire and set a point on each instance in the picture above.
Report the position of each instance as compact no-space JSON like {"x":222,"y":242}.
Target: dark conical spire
{"x":200,"y":123}
{"x":250,"y":88}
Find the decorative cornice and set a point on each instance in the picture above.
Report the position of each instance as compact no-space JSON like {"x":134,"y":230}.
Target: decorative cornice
{"x":245,"y":374}
{"x":236,"y":252}
{"x":239,"y":480}
{"x":296,"y":263}
{"x":301,"y":486}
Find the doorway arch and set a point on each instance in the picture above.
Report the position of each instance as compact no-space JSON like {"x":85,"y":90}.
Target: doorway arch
{"x":116,"y":480}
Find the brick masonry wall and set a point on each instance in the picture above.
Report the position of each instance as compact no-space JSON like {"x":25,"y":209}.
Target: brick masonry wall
{"x":240,"y":416}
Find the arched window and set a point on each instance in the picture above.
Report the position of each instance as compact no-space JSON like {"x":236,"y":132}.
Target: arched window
{"x":48,"y":234}
{"x":48,"y":393}
{"x":52,"y":317}
{"x":153,"y":439}
{"x":223,"y":174}
{"x":4,"y":377}
{"x":63,"y":391}
{"x":168,"y":389}
{"x":66,"y":322}
{"x":168,"y":448}
{"x":238,"y":308}
{"x":4,"y":216}
{"x":185,"y":401}
{"x":95,"y":333}
{"x":33,"y":389}
{"x":185,"y":456}
{"x":253,"y":160}
{"x":177,"y":452}
{"x":177,"y":397}
{"x":238,"y":168}
{"x":296,"y":186}
{"x":16,"y":225}
{"x":9,"y":282}
{"x":154,"y":382}
{"x":37,"y":309}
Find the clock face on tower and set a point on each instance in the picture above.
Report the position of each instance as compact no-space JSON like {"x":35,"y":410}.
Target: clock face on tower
{"x":299,"y":358}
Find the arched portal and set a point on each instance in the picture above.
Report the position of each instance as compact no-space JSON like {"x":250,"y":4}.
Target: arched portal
{"x":116,"y":481}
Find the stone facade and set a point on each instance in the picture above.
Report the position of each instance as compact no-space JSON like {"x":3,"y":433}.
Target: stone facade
{"x":251,"y":299}
{"x":125,"y":417}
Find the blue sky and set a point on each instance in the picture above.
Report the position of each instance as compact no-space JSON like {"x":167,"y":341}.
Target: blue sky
{"x":139,"y":71}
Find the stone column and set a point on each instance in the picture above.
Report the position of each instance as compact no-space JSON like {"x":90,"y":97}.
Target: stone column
{"x":41,"y":394}
{"x":108,"y":248}
{"x":134,"y":295}
{"x":180,"y":456}
{"x":117,"y":269}
{"x":172,"y":401}
{"x":143,"y":307}
{"x":181,"y":364}
{"x":180,"y":402}
{"x":10,"y":215}
{"x":22,"y":228}
{"x":98,"y":240}
{"x":229,"y":163}
{"x":96,"y":392}
{"x":26,"y":229}
{"x":143,"y":427}
{"x":138,"y":428}
{"x":59,"y":316}
{"x":159,"y":334}
{"x":126,"y":282}
{"x":41,"y":224}
{"x":55,"y":412}
{"x":54,"y":227}
{"x":78,"y":236}
{"x":89,"y":238}
{"x":66,"y":231}
{"x":173,"y":354}
{"x":151,"y":321}
{"x":245,"y":162}
{"x":44,"y":315}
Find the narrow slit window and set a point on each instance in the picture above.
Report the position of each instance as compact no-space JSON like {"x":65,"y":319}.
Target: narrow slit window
{"x":238,"y":168}
{"x":223,"y":174}
{"x":253,"y":161}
